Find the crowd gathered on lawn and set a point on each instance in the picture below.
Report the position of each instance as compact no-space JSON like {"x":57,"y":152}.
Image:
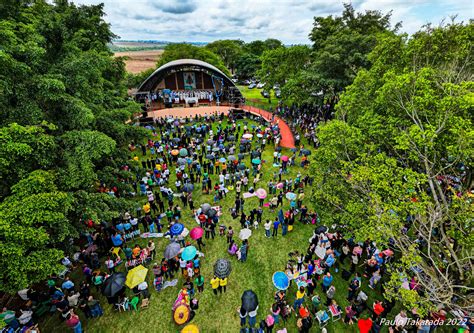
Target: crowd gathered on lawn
{"x":221,"y":157}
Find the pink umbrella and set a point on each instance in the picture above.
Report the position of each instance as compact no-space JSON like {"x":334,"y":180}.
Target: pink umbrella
{"x":387,"y":252}
{"x":284,"y":158}
{"x":279,"y":185}
{"x":196,"y":233}
{"x":247,"y":136}
{"x":261,"y":193}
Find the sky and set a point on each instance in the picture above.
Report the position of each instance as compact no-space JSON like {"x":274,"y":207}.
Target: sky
{"x":287,"y":20}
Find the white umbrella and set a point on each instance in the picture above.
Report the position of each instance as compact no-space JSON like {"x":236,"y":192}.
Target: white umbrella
{"x":185,"y":232}
{"x":245,"y":234}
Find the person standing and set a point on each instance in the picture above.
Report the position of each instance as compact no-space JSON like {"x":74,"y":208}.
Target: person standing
{"x":215,"y":284}
{"x":276,"y":223}
{"x":267,"y":227}
{"x":327,"y":280}
{"x":223,"y":285}
{"x":230,"y":234}
{"x":73,"y":322}
{"x":199,"y":281}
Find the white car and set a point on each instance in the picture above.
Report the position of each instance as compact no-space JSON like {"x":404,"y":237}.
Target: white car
{"x":261,"y":85}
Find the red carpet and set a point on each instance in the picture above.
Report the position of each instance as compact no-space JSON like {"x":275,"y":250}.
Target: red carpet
{"x":287,"y":140}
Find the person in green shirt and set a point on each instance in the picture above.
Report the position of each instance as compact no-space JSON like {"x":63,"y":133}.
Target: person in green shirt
{"x":199,"y":281}
{"x":9,"y":318}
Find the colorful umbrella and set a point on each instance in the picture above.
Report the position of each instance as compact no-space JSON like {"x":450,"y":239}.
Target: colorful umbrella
{"x":175,"y":152}
{"x":113,"y":284}
{"x":279,"y":185}
{"x":181,"y":314}
{"x":259,"y":135}
{"x":176,"y":229}
{"x":181,"y":161}
{"x":183,"y":152}
{"x":245,"y":234}
{"x":210,"y":157}
{"x":196,"y":233}
{"x":172,"y":250}
{"x":205,"y":207}
{"x":222,"y":160}
{"x":306,"y":152}
{"x":191,"y":328}
{"x":320,"y":230}
{"x":290,"y":196}
{"x":387,"y":252}
{"x":261,"y":193}
{"x":188,"y":253}
{"x":136,"y":276}
{"x":222,"y":268}
{"x":188,"y":187}
{"x":256,"y":161}
{"x":231,"y":158}
{"x":249,"y":300}
{"x":280,"y":280}
{"x":247,"y":136}
{"x":211,"y":212}
{"x":284,"y":158}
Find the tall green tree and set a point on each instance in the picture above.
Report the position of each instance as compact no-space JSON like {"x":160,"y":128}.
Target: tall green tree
{"x":229,"y":50}
{"x":399,"y":159}
{"x":62,"y":128}
{"x":282,"y":64}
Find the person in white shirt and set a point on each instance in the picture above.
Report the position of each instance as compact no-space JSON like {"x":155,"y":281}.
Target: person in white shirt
{"x":267,"y":226}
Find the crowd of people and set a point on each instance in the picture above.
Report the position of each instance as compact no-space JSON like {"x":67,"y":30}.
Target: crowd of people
{"x":225,"y":160}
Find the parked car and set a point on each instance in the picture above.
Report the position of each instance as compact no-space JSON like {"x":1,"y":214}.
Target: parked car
{"x":252,"y":85}
{"x":265,"y":93}
{"x":246,"y":82}
{"x":278,"y":93}
{"x":261,"y":85}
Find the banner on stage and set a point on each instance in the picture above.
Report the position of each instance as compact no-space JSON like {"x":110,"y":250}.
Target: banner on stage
{"x":189,"y":80}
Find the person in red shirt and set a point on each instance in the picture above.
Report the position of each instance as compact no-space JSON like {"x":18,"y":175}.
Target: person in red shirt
{"x":364,"y":325}
{"x":73,"y":322}
{"x":378,"y":308}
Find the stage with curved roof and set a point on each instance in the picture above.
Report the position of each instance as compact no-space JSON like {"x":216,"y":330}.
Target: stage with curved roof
{"x":169,"y":76}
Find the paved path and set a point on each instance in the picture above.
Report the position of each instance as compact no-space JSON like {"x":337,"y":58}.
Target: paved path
{"x":287,"y":139}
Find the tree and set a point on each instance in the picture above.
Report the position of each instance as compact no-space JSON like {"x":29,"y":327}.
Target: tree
{"x":33,"y":226}
{"x":228,"y":50}
{"x":189,"y":51}
{"x":247,"y":66}
{"x":63,"y":127}
{"x":281,"y":64}
{"x":399,"y":157}
{"x":341,"y":45}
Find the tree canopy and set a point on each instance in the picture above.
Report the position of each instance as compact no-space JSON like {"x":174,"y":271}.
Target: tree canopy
{"x":399,"y":158}
{"x":64,"y":108}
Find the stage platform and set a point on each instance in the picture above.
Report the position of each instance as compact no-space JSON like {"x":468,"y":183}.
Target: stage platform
{"x":287,"y":140}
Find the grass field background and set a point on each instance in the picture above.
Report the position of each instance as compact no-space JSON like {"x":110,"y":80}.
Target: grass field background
{"x":219,"y":313}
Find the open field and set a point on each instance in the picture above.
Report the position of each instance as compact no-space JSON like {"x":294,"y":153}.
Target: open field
{"x":139,"y":61}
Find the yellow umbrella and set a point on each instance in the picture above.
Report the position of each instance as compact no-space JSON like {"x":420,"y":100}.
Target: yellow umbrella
{"x":181,"y":314}
{"x":175,"y":152}
{"x":136,"y":276}
{"x":191,"y":328}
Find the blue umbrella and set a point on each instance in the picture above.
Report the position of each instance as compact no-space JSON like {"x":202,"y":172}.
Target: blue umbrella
{"x":222,"y":160}
{"x":176,"y":229}
{"x":188,"y":253}
{"x":280,"y":280}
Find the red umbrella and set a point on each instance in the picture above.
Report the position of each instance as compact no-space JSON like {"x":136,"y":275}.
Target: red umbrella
{"x":196,"y":233}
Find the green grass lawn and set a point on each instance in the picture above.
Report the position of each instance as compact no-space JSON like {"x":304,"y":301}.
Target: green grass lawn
{"x":219,"y":313}
{"x":255,"y":98}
